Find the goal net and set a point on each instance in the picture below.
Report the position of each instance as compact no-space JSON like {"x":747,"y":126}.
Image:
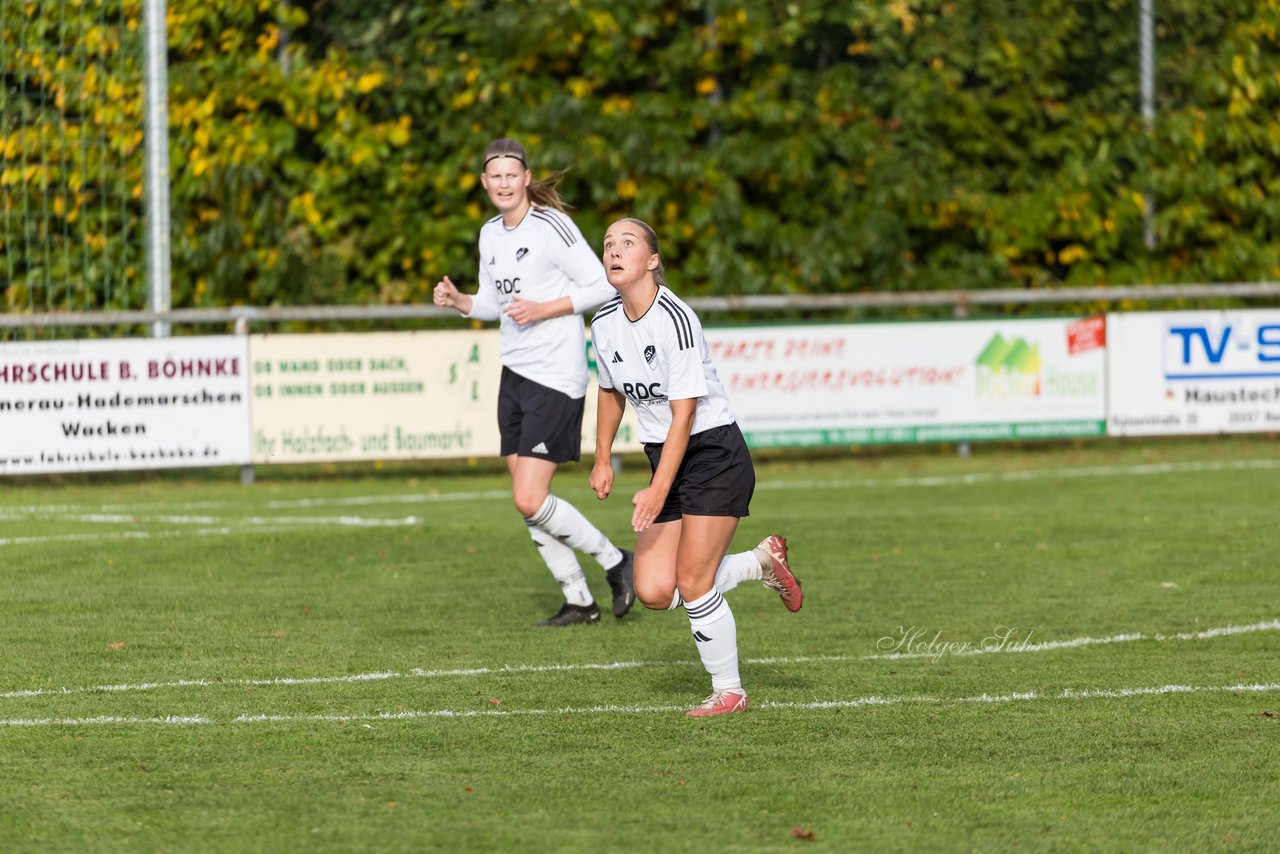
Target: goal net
{"x":71,"y":139}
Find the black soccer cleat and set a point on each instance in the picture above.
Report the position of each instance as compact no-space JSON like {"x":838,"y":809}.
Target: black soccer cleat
{"x":622,"y":583}
{"x":570,"y":615}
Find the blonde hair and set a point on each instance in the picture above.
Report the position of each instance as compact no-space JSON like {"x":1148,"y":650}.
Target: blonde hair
{"x":542,"y":192}
{"x":651,"y":238}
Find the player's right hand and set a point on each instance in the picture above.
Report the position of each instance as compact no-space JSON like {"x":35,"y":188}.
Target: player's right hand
{"x":602,"y":479}
{"x":445,"y":293}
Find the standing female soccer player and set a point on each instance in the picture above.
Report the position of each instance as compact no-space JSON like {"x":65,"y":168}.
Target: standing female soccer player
{"x":651,"y":351}
{"x":537,"y":277}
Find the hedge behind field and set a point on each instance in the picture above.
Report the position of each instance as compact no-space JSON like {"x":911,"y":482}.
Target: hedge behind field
{"x":327,"y":152}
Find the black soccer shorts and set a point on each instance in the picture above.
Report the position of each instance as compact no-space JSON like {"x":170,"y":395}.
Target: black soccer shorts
{"x":536,"y":421}
{"x":716,"y":477}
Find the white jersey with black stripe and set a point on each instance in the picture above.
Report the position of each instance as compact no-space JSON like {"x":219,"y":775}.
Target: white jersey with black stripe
{"x":661,"y":357}
{"x":543,"y":258}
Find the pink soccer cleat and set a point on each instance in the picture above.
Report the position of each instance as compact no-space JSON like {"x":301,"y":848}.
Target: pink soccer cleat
{"x":720,"y":703}
{"x":777,"y":575}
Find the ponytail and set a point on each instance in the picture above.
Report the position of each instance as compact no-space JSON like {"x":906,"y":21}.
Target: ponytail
{"x":543,"y":192}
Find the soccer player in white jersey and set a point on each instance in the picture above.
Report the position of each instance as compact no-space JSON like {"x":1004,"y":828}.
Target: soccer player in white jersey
{"x":537,"y":277}
{"x":651,"y":351}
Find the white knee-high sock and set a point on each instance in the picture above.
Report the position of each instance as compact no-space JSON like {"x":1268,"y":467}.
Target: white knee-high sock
{"x":716,"y":636}
{"x":564,"y":522}
{"x":733,"y":570}
{"x":737,"y":568}
{"x":563,"y":564}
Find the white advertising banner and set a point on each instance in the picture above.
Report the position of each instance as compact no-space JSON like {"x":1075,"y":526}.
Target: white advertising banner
{"x":385,"y":396}
{"x":374,"y":396}
{"x":1193,"y":372}
{"x":138,"y":403}
{"x":914,"y":382}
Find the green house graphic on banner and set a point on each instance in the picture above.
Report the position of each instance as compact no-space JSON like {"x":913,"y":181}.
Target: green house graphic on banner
{"x":1008,"y":368}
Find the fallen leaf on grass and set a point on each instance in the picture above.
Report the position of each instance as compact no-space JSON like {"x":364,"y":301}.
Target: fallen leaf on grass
{"x":803,"y":833}
{"x":1267,"y":714}
{"x":116,"y":645}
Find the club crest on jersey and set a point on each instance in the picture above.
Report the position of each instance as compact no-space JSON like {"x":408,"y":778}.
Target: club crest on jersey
{"x":650,"y":354}
{"x":520,"y":253}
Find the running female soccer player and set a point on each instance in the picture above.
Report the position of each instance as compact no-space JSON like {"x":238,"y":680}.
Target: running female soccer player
{"x":537,"y":277}
{"x":652,"y":351}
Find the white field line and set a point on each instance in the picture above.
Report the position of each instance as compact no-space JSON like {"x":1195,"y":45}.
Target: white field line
{"x":505,"y":495}
{"x":170,"y":720}
{"x":253,"y":521}
{"x":275,"y":504}
{"x":134,"y":535}
{"x":925,"y":699}
{"x":1032,"y":474}
{"x":133,"y":513}
{"x":418,"y":673}
{"x":415,"y":673}
{"x":816,"y":705}
{"x":251,"y":526}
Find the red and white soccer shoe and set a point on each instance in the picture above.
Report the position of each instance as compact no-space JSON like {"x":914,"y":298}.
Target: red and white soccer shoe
{"x":720,"y":703}
{"x":777,"y":575}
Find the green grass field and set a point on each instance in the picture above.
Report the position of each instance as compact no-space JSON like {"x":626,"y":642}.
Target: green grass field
{"x":345,"y":662}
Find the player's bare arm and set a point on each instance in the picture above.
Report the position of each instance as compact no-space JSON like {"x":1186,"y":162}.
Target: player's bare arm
{"x":610,"y":405}
{"x":648,"y":501}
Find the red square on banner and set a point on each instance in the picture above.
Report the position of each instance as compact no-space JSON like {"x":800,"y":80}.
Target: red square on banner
{"x":1087,"y":334}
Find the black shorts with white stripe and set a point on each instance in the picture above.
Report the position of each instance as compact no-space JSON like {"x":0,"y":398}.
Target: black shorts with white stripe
{"x":715,"y":478}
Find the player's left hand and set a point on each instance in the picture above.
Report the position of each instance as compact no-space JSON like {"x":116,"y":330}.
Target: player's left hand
{"x":648,"y":504}
{"x":524,"y":311}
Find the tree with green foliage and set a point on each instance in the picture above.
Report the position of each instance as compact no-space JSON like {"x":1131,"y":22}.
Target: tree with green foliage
{"x":327,"y":151}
